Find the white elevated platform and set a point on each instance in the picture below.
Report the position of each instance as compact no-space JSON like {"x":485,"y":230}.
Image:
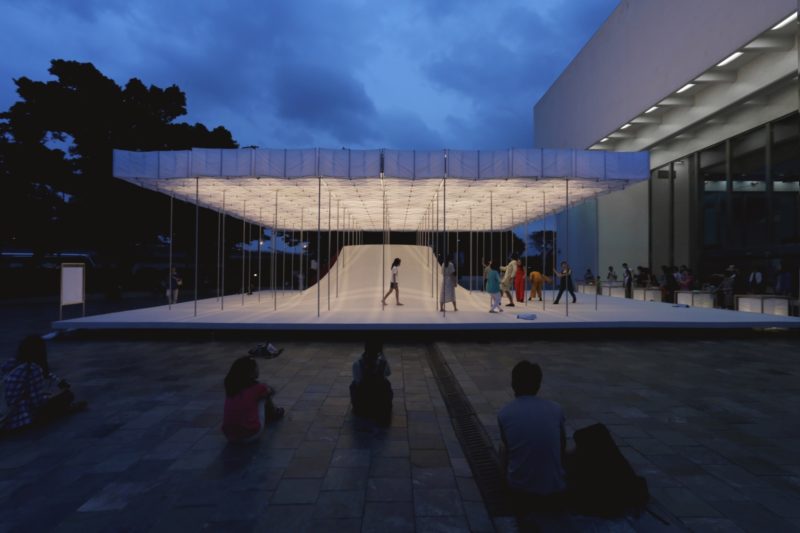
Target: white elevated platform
{"x":361,"y":287}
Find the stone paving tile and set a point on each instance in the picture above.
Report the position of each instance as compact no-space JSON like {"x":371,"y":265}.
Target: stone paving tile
{"x":709,"y":423}
{"x":725,"y":407}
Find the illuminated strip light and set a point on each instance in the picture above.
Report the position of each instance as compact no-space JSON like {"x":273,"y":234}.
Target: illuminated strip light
{"x":651,"y":109}
{"x":685,"y":88}
{"x":785,"y":22}
{"x":626,"y":126}
{"x":604,"y":139}
{"x":730,"y":59}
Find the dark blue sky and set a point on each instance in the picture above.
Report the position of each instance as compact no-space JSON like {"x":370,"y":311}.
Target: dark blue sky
{"x":423,"y":74}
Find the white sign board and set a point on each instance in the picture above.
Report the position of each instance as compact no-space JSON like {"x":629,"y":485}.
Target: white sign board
{"x":72,"y":283}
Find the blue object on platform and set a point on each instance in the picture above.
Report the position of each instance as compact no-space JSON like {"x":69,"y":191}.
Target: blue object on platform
{"x":527,"y":316}
{"x":681,"y":305}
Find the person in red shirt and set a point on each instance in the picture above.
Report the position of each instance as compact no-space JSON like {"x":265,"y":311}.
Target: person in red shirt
{"x":248,"y":402}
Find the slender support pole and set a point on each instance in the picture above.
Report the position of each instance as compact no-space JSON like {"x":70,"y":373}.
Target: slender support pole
{"x":471,"y":258}
{"x":491,"y":228}
{"x":260,"y":241}
{"x":525,"y":244}
{"x":219,"y":225}
{"x":566,"y":225}
{"x":244,"y":225}
{"x":196,"y":238}
{"x":383,"y":240}
{"x":329,"y":250}
{"x":302,"y":253}
{"x":169,"y":273}
{"x":319,"y":237}
{"x":274,"y":236}
{"x":596,"y":249}
{"x":291,"y":262}
{"x":338,"y":251}
{"x":544,"y":251}
{"x":223,"y":256}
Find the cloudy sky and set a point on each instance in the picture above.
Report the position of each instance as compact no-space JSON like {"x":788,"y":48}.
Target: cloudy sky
{"x":422,"y":74}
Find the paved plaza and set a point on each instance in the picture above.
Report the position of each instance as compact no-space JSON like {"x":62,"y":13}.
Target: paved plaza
{"x":712,"y":425}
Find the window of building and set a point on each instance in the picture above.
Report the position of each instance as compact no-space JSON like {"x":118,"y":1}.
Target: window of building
{"x":749,"y":161}
{"x":786,"y":179}
{"x":712,"y":168}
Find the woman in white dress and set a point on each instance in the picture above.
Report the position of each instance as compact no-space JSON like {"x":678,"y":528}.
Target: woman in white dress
{"x":393,"y":286}
{"x":449,"y":281}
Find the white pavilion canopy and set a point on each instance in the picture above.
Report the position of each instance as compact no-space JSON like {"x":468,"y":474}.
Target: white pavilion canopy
{"x":478,"y":190}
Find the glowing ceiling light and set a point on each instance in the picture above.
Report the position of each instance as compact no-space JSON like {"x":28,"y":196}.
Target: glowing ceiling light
{"x":651,"y":109}
{"x":685,"y":88}
{"x":785,"y":22}
{"x":626,"y":126}
{"x":604,"y":139}
{"x":730,"y":59}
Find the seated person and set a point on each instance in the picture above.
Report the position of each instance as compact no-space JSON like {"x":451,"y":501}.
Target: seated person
{"x":248,"y":402}
{"x":33,"y":394}
{"x":588,"y":277}
{"x":534,"y":442}
{"x":370,"y":392}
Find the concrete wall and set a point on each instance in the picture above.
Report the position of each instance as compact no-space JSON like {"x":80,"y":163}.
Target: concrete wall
{"x":623,"y":228}
{"x":645,"y":51}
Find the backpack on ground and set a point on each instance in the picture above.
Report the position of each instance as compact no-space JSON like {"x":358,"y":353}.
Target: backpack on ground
{"x":602,"y":481}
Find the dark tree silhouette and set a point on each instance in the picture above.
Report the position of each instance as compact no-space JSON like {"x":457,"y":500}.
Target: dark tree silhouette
{"x":56,"y":147}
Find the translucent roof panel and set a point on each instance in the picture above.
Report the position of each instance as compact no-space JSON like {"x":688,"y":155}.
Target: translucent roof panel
{"x":365,"y":189}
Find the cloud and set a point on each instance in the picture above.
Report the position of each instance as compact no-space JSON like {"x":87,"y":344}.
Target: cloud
{"x":423,"y":74}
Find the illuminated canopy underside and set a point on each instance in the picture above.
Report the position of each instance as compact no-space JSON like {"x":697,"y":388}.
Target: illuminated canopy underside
{"x":522,"y":184}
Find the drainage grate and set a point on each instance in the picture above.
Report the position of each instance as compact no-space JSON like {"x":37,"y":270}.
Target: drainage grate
{"x":474,"y":440}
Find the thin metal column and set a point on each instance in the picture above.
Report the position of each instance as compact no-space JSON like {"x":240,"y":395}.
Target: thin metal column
{"x":196,"y":238}
{"x":339,"y":254}
{"x":169,"y":272}
{"x":219,"y":225}
{"x":544,"y":251}
{"x":274,"y":238}
{"x":244,"y":225}
{"x":525,"y":244}
{"x":329,"y":250}
{"x":223,"y":256}
{"x":319,"y":238}
{"x":566,"y":226}
{"x":260,"y":242}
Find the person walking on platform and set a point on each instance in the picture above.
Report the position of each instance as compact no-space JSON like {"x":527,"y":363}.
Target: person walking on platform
{"x":493,"y":288}
{"x":565,"y":282}
{"x":509,"y":273}
{"x":449,"y":281}
{"x":393,"y":286}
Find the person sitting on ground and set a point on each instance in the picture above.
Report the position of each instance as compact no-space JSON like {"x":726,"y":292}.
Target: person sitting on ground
{"x":33,"y":394}
{"x":533,"y":444}
{"x":248,"y":402}
{"x":370,"y":392}
{"x":588,"y":277}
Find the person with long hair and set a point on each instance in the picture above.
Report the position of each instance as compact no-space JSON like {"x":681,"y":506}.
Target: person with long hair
{"x":248,"y":402}
{"x":33,"y":393}
{"x":449,"y":282}
{"x":519,"y":281}
{"x":371,"y":392}
{"x":393,"y":283}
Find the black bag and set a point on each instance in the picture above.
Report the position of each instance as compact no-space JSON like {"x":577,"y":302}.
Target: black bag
{"x":601,"y":480}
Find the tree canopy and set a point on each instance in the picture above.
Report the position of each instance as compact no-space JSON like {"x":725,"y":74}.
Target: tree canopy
{"x":56,"y":147}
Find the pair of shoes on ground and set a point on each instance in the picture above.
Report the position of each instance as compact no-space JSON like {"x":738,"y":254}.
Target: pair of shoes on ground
{"x":267,"y":350}
{"x":493,"y":311}
{"x":510,"y":305}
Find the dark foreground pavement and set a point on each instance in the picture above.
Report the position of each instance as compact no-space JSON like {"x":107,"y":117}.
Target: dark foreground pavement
{"x":712,"y":424}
